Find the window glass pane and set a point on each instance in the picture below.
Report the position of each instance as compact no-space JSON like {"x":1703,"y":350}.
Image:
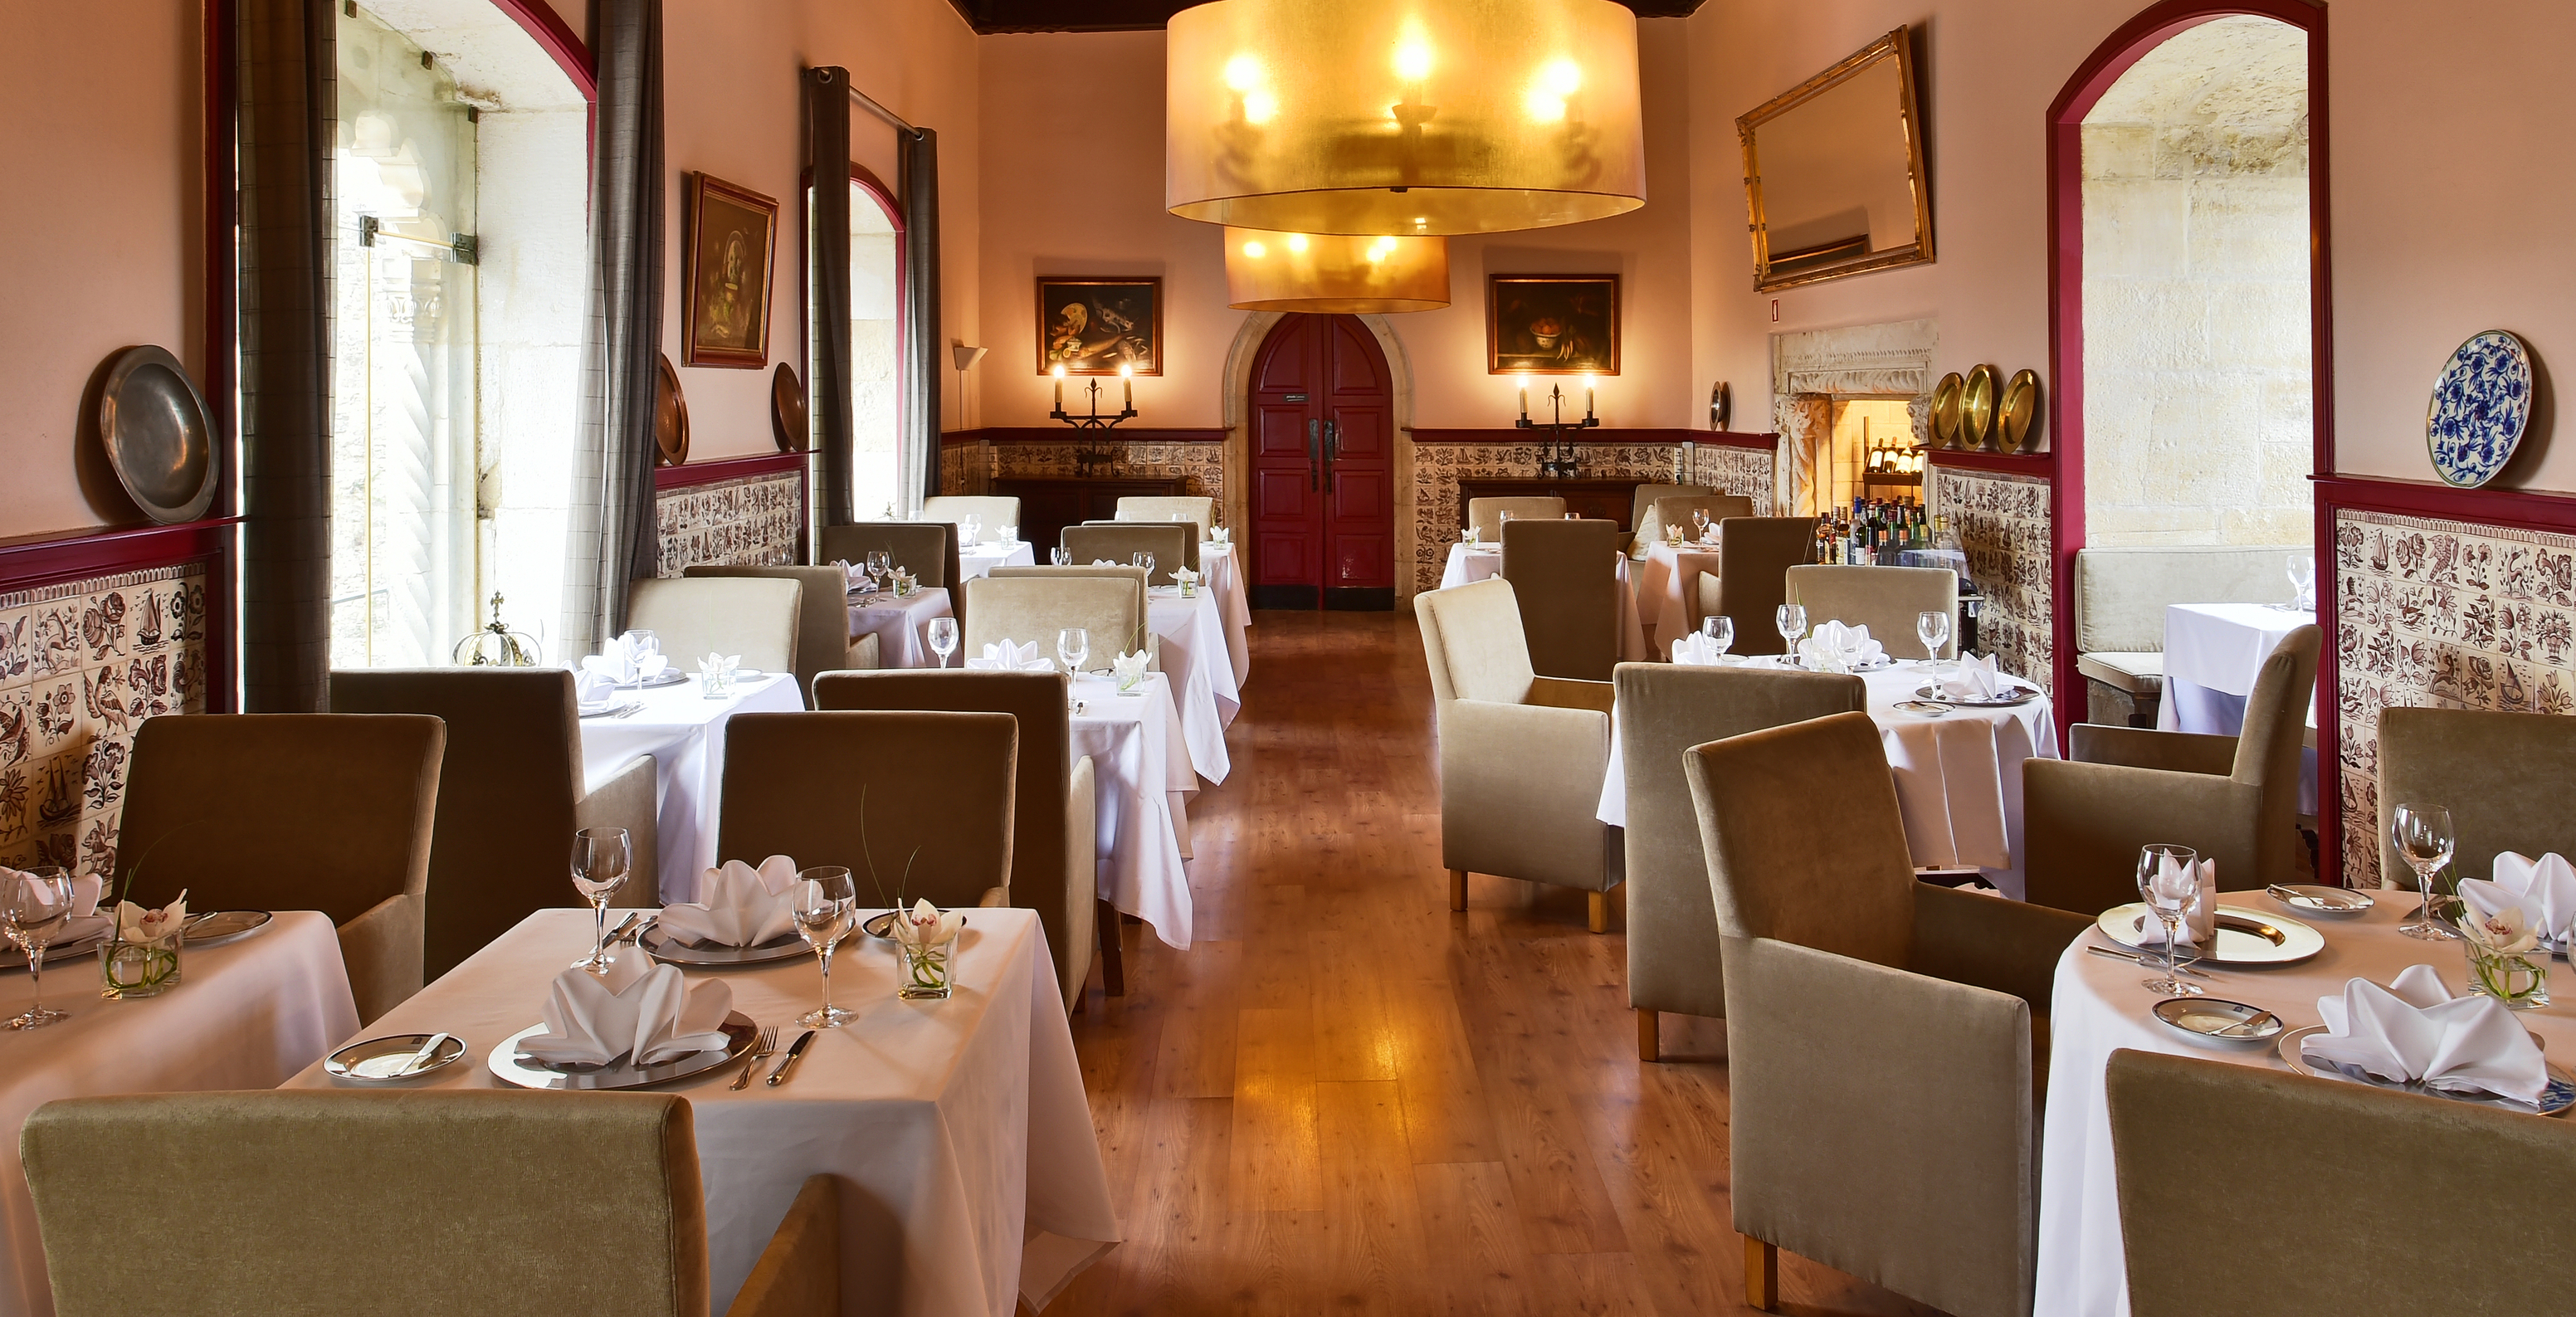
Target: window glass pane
{"x":875,"y":351}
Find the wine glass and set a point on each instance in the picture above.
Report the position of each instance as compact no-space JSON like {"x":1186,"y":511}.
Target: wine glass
{"x":2423,"y":837}
{"x":1932,"y":627}
{"x":1699,"y":523}
{"x":2169,"y":879}
{"x":1791,"y":619}
{"x":645,"y":642}
{"x":2303,"y":582}
{"x":943,"y":638}
{"x":1073,"y":645}
{"x":969,"y":528}
{"x":1060,"y":556}
{"x":880,"y":563}
{"x":825,"y":905}
{"x":600,"y":862}
{"x":1720,"y":630}
{"x":1146,"y":561}
{"x":33,"y":912}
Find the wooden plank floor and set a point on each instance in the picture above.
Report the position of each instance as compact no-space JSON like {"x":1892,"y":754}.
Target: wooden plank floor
{"x":1345,"y":1098}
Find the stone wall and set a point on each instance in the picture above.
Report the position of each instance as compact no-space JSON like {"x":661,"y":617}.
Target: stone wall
{"x":2004,"y":523}
{"x":749,"y":521}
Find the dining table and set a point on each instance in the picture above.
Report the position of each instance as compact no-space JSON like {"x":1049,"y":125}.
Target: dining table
{"x":1224,"y":579}
{"x":247,"y":1013}
{"x":684,"y":732}
{"x":2213,"y":655}
{"x":1958,"y":772}
{"x":981,"y":558}
{"x":2099,"y":1004}
{"x":1470,"y":563}
{"x":1142,"y":783}
{"x":900,"y":623}
{"x":1191,"y":637}
{"x":958,"y":1131}
{"x":1667,"y":580}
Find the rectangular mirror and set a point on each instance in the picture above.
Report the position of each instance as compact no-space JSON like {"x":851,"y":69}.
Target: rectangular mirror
{"x":1833,"y":172}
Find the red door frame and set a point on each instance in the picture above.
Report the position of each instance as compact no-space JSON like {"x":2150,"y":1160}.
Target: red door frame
{"x":1319,"y":393}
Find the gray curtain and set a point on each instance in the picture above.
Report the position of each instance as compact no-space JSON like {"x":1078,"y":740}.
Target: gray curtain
{"x":614,"y":540}
{"x":827,"y":160}
{"x":286,"y":118}
{"x":923,"y":384}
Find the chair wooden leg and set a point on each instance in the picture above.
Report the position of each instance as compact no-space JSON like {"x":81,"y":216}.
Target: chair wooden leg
{"x":1650,"y":1043}
{"x":1113,"y":965}
{"x":1761,"y":1275}
{"x":1457,"y":889}
{"x":1597,"y":911}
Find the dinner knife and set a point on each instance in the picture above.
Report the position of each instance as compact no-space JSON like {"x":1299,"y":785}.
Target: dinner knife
{"x":2137,"y":958}
{"x":794,"y":1050}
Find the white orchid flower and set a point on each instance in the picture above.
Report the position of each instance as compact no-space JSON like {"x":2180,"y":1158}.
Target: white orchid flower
{"x":925,"y":925}
{"x":139,"y":926}
{"x":1129,"y":669}
{"x":2506,"y":932}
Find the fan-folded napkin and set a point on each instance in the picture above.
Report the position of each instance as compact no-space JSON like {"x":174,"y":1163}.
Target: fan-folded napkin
{"x":593,"y":687}
{"x":1976,"y":679}
{"x":739,"y":906}
{"x":2545,"y":889}
{"x":1695,"y":650}
{"x":1835,"y":647}
{"x":2415,"y":1030}
{"x":623,"y":661}
{"x":638,"y":1007}
{"x":1005,"y":655}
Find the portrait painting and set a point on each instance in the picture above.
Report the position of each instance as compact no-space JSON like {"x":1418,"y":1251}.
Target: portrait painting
{"x":732,"y":233}
{"x":1094,"y":326}
{"x":1552,"y":324}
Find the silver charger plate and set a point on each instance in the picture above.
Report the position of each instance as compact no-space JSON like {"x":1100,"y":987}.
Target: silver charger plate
{"x":12,"y":958}
{"x":158,"y":434}
{"x":2245,"y":937}
{"x":508,"y":1067}
{"x":351,"y":1062}
{"x":2017,"y":696}
{"x":224,"y":926}
{"x":2555,"y":1100}
{"x":662,"y":946}
{"x":2204,"y":1020}
{"x":2321,"y":900}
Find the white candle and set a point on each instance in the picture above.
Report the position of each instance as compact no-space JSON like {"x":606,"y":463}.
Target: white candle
{"x":1059,"y":386}
{"x":1524,"y":383}
{"x":1587,"y":397}
{"x":1126,"y":386}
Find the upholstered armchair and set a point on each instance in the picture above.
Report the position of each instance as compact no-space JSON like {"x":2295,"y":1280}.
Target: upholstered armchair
{"x":823,"y":641}
{"x":917,"y":806}
{"x":990,"y":511}
{"x":511,"y":794}
{"x":503,"y":1204}
{"x":695,"y":617}
{"x":1521,"y":756}
{"x":1674,"y":960}
{"x":1564,"y":575}
{"x":1486,"y":514}
{"x":1644,"y":528}
{"x":1879,"y":1031}
{"x":2234,"y":799}
{"x":1754,"y":555}
{"x":1887,"y":600}
{"x":1676,"y":510}
{"x":1054,"y":823}
{"x":2503,"y":776}
{"x":927,"y":549}
{"x":295,"y":811}
{"x":1173,"y":545}
{"x":1107,"y":603}
{"x":1158,"y":507}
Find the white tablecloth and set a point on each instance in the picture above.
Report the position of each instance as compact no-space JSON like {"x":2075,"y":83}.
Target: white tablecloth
{"x":975,"y":560}
{"x":1667,"y":581}
{"x":1469,"y":565}
{"x":1142,"y":784}
{"x":246,"y":1014}
{"x":957,"y":1129}
{"x":899,"y":624}
{"x":684,"y":732}
{"x":2213,"y":654}
{"x":2099,"y":1006}
{"x":1203,"y":689}
{"x":1958,"y":777}
{"x":1225,"y":581}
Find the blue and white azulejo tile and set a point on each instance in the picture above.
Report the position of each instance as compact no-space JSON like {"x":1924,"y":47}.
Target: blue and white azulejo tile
{"x":2481,"y":405}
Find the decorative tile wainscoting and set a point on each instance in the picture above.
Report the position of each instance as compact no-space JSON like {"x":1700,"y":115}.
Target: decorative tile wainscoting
{"x":1199,"y":463}
{"x":1438,"y":467}
{"x":743,"y":521}
{"x":81,"y":663}
{"x":2004,"y":522}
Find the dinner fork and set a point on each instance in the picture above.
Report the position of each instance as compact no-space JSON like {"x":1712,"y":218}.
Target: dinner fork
{"x":768,"y":1045}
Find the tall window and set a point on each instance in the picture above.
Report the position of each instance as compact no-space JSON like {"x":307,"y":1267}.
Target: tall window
{"x":876,"y":354}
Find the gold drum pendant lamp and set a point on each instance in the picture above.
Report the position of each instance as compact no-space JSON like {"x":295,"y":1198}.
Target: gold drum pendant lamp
{"x":1420,"y":118}
{"x":1330,"y":273}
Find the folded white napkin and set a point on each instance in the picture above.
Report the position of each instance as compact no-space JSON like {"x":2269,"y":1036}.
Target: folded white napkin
{"x":2414,"y":1029}
{"x":1695,"y":650}
{"x":1007,"y":656}
{"x":737,"y":906}
{"x":591,"y":686}
{"x":2545,"y":889}
{"x":617,"y":660}
{"x":1220,"y":534}
{"x":1104,"y":562}
{"x":638,"y":1007}
{"x":2200,"y":922}
{"x":1006,"y":535}
{"x":855,"y":573}
{"x":1976,"y":679}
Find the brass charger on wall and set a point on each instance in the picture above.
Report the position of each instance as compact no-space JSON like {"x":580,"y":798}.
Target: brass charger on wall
{"x":1977,"y":408}
{"x":2017,"y":418}
{"x":670,"y":417}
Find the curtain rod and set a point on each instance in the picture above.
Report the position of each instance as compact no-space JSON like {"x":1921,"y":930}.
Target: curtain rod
{"x":880,"y":111}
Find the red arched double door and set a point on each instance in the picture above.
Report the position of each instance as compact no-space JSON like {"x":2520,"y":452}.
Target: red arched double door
{"x":1323,"y":467}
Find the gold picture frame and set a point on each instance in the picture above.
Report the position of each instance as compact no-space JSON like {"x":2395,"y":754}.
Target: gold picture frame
{"x":1796,"y":238}
{"x":1552,"y":324}
{"x":1093,"y":326}
{"x":732,"y":246}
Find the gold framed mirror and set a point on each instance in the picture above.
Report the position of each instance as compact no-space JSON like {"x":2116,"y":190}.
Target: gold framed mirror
{"x":1833,"y":172}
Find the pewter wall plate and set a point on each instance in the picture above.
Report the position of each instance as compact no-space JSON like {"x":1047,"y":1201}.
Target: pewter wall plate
{"x":2555,"y":1100}
{"x":527,"y":1072}
{"x":159,"y":435}
{"x":2482,"y":403}
{"x":2245,"y":937}
{"x":662,"y":946}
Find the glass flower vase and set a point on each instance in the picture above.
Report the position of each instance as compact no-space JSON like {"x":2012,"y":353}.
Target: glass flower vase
{"x":129,"y":970}
{"x":928,"y":971}
{"x":2520,"y":982}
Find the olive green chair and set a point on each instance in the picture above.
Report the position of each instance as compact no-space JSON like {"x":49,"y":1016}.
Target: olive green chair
{"x":917,"y":806}
{"x":1754,"y":555}
{"x":991,"y":511}
{"x":1915,"y":1169}
{"x":1109,"y":609}
{"x":1887,"y":600}
{"x":1173,"y":544}
{"x":289,"y":1203}
{"x":755,"y":620}
{"x":1564,"y":576}
{"x":2503,"y":776}
{"x":823,"y":642}
{"x":927,"y":549}
{"x":1486,"y":514}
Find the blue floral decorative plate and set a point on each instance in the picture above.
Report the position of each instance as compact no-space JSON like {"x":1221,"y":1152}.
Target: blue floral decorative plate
{"x":2481,"y":405}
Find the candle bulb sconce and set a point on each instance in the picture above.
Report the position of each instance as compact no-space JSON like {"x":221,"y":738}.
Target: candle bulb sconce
{"x":1558,"y":458}
{"x":1091,"y":420}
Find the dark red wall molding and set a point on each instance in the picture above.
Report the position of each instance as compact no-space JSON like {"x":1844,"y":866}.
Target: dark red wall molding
{"x":540,"y":21}
{"x":2043,"y":465}
{"x":1066,"y":434}
{"x":31,"y":561}
{"x":1514,"y":435}
{"x":727,"y":468}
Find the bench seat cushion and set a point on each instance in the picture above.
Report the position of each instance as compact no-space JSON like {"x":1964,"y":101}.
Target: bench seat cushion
{"x":2139,"y":672}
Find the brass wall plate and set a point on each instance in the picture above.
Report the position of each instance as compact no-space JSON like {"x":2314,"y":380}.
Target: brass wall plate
{"x":670,"y":417}
{"x":2017,"y":423}
{"x":1977,"y":409}
{"x":787,"y":424}
{"x":1945,"y":410}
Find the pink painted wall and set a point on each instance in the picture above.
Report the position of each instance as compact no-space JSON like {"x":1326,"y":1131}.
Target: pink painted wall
{"x":105,"y":225}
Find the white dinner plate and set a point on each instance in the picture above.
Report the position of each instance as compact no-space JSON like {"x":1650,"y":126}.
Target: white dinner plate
{"x":527,"y":1072}
{"x":2245,"y":937}
{"x":2555,"y":1100}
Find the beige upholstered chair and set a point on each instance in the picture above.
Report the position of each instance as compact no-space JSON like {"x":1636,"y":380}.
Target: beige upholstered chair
{"x":1675,"y":510}
{"x":927,"y":549}
{"x":1673,"y":958}
{"x":1887,"y":600}
{"x":1035,"y":608}
{"x":2503,"y":776}
{"x":1054,"y":842}
{"x":823,"y":641}
{"x":694,"y":617}
{"x":2359,"y":1152}
{"x":2120,"y":598}
{"x":502,"y":1204}
{"x":1173,"y":545}
{"x":1521,"y":756}
{"x":877,"y":793}
{"x":991,"y":511}
{"x":294,"y":811}
{"x":1643,"y":528}
{"x":1156,"y":507}
{"x":1834,"y":951}
{"x":1486,"y":514}
{"x":1754,"y":555}
{"x":2235,"y":799}
{"x":1565,"y":576}
{"x":510,"y":797}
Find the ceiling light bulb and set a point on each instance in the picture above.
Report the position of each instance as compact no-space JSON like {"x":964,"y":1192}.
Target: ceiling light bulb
{"x":1259,"y":106}
{"x":1335,"y":273}
{"x":1296,"y":242}
{"x":1543,"y":107}
{"x":1255,"y":251}
{"x":1561,"y":76}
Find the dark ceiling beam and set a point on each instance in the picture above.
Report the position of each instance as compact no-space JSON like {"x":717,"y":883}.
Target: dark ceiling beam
{"x":990,"y":16}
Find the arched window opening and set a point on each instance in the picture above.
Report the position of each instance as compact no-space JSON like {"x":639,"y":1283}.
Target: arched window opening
{"x":876,"y":351}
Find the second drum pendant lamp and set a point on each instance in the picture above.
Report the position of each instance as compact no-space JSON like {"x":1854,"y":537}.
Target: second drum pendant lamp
{"x":1424,"y":118}
{"x":1334,"y":274}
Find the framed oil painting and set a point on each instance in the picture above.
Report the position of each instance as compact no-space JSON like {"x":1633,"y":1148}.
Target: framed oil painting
{"x":1094,"y":326}
{"x":732,"y":234}
{"x":1552,"y":324}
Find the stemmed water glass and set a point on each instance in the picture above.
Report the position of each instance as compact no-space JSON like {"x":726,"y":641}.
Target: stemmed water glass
{"x":1720,"y":630}
{"x":1073,"y":646}
{"x":1060,"y":556}
{"x":2423,"y":837}
{"x":600,"y":864}
{"x":1932,"y":627}
{"x":970,"y":529}
{"x":1791,"y":620}
{"x":880,"y":563}
{"x":2303,"y":582}
{"x":1699,"y":523}
{"x":826,"y":904}
{"x":943,"y":638}
{"x":33,"y":912}
{"x":2169,"y":879}
{"x":1146,"y":561}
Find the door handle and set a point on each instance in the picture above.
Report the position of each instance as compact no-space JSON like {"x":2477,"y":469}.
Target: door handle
{"x":1332,"y":447}
{"x":1313,"y":454}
